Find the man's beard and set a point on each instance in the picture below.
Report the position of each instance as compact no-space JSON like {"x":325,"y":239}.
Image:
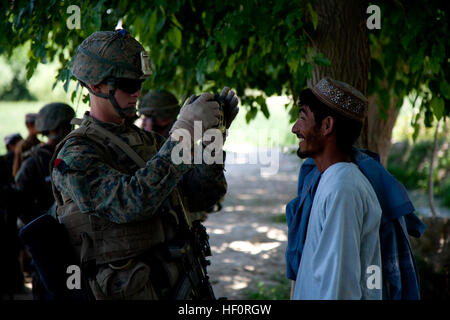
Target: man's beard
{"x":305,"y":154}
{"x":302,"y":155}
{"x":312,"y":144}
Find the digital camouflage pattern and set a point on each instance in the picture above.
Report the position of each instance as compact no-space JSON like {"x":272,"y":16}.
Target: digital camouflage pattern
{"x":108,"y":54}
{"x":52,"y":115}
{"x":160,"y":104}
{"x":114,"y":188}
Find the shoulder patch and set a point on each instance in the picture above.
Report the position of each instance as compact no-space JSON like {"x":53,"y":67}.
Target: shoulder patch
{"x":61,"y":165}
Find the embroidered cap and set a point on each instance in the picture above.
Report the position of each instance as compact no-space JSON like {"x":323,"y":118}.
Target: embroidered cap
{"x":341,"y":97}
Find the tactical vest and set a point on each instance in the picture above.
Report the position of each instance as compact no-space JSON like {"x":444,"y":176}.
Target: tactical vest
{"x":99,"y":239}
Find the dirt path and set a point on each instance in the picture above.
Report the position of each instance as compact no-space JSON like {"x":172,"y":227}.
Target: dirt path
{"x":247,"y":243}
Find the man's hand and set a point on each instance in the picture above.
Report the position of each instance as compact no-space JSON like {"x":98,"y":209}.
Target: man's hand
{"x":231,"y":105}
{"x":203,"y":109}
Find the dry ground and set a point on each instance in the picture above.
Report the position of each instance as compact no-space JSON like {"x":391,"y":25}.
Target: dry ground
{"x":247,"y":243}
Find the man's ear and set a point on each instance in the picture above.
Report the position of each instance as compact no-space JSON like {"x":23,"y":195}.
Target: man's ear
{"x":97,"y":88}
{"x":328,"y":126}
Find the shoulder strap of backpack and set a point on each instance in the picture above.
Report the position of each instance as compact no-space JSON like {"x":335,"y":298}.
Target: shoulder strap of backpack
{"x":114,"y":139}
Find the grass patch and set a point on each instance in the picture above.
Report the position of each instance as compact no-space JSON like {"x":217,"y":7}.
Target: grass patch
{"x":278,"y":291}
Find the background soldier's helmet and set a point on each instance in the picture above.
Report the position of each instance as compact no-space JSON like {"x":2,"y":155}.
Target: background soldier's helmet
{"x":106,"y":54}
{"x":159,"y":104}
{"x":52,"y":115}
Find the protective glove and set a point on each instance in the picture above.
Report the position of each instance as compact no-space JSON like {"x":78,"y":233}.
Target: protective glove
{"x":203,"y":109}
{"x":231,"y":105}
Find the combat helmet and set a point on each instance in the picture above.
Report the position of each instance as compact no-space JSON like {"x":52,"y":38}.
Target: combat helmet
{"x":111,"y":56}
{"x":161,"y":104}
{"x":52,"y":115}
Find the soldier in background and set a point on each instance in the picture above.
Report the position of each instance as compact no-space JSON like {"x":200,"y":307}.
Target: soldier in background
{"x":11,"y":142}
{"x":11,"y":276}
{"x":33,"y":177}
{"x":159,"y":110}
{"x":24,"y":146}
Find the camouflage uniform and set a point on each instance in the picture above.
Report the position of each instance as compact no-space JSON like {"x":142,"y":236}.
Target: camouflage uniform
{"x":117,"y":189}
{"x":121,"y":217}
{"x":104,"y":182}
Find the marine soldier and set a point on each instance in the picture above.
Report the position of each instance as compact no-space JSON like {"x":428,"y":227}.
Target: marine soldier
{"x":159,"y":110}
{"x":11,"y":143}
{"x":121,"y":198}
{"x":22,"y":148}
{"x":33,"y":177}
{"x":11,"y":277}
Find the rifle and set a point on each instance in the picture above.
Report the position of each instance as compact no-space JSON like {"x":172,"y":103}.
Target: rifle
{"x":194,"y":284}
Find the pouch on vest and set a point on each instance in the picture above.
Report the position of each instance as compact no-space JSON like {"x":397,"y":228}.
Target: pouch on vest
{"x":132,"y":282}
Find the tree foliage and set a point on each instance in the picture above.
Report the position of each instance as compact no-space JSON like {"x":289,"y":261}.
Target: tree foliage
{"x":256,"y":44}
{"x":410,"y":58}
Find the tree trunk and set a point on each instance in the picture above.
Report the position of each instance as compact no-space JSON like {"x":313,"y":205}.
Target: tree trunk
{"x":342,"y":37}
{"x":430,"y":173}
{"x":379,"y":130}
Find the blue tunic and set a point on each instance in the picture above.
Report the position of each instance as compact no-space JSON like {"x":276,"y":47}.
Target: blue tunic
{"x":341,"y":256}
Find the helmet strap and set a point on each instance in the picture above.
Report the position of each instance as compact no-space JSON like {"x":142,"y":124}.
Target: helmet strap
{"x":110,"y":96}
{"x":112,"y":99}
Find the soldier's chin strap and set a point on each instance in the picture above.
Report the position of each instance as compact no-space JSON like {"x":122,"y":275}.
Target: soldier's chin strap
{"x":122,"y":112}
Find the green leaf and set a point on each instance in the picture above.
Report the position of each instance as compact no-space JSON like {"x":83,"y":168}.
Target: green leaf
{"x":200,"y":74}
{"x":293,"y":64}
{"x":231,"y":66}
{"x":320,"y":59}
{"x":445,"y":89}
{"x":175,"y":22}
{"x":174,"y":37}
{"x":160,"y":23}
{"x":265,"y":110}
{"x":251,"y":114}
{"x":152,"y":22}
{"x":314,"y":16}
{"x":437,"y":105}
{"x":417,"y":60}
